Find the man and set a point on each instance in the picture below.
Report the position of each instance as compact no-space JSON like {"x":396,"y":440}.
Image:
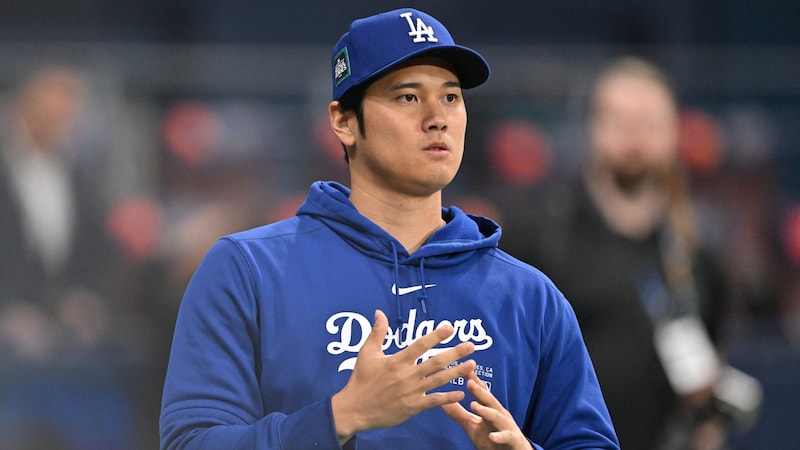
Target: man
{"x":350,"y":324}
{"x":58,"y":270}
{"x":623,"y":247}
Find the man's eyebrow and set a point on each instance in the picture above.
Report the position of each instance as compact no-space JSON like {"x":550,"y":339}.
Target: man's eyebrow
{"x":415,"y":85}
{"x":410,"y":85}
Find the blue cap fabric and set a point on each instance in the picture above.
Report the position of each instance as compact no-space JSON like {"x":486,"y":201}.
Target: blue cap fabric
{"x":377,"y":43}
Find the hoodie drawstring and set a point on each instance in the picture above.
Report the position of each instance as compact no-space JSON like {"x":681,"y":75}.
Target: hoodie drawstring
{"x":396,"y":283}
{"x":396,"y":289}
{"x":423,"y":297}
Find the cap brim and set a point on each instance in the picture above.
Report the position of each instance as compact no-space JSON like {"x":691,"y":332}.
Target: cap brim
{"x":472,"y":70}
{"x":470,"y":67}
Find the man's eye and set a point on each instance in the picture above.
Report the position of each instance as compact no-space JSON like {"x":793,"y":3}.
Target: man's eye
{"x":408,"y":97}
{"x":450,"y":98}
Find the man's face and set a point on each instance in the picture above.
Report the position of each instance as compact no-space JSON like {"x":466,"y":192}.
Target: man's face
{"x":634,"y":129}
{"x":415,"y":122}
{"x":49,"y":106}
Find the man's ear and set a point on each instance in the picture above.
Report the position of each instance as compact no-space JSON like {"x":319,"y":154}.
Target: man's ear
{"x":342,"y":123}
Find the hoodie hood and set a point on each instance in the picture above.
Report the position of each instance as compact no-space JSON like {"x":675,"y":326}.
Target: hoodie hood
{"x":463,"y":234}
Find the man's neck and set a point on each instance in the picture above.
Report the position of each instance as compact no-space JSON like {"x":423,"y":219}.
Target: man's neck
{"x":409,"y":219}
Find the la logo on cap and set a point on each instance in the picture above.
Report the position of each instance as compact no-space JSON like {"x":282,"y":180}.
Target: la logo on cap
{"x":419,"y":30}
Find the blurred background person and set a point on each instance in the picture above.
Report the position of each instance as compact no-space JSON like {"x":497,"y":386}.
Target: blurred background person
{"x":59,"y":376}
{"x":624,"y":244}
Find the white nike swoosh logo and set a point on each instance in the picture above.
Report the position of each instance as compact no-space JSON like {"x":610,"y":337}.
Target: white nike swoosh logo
{"x":408,"y":290}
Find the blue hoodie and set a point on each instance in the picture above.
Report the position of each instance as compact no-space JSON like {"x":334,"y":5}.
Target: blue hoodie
{"x":272,"y":321}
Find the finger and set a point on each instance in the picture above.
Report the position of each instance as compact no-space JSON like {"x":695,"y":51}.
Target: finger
{"x":496,"y":418}
{"x":502,"y":437}
{"x":435,"y":399}
{"x":417,"y":348}
{"x":460,"y":415}
{"x":478,"y":389}
{"x":446,"y":358}
{"x":380,"y":327}
{"x":445,"y":376}
{"x":487,"y":405}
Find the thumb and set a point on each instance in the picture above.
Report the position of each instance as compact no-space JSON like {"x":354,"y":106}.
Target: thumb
{"x":380,"y":327}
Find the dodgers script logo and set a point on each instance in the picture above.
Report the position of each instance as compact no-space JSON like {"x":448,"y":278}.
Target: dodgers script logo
{"x":346,"y":326}
{"x":421,"y":32}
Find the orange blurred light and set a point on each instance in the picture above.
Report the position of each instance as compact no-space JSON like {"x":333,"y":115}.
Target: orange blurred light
{"x":519,"y":152}
{"x":191,"y":130}
{"x":700,"y":142}
{"x":790,"y":234}
{"x":135,"y":223}
{"x":286,"y":207}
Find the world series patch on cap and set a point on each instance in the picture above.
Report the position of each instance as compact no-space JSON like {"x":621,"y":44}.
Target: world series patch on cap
{"x":377,"y":43}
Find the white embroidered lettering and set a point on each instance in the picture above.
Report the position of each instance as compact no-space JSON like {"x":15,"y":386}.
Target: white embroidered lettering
{"x":349,"y":321}
{"x":351,"y":330}
{"x":421,"y":32}
{"x":341,"y":68}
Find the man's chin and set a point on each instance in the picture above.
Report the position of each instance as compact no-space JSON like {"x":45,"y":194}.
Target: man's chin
{"x":630,"y":182}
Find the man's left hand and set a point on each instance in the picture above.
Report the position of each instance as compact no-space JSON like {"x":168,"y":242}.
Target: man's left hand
{"x":489,"y":425}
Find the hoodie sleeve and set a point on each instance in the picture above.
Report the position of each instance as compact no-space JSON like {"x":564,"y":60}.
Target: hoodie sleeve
{"x":212,"y":397}
{"x":569,"y":411}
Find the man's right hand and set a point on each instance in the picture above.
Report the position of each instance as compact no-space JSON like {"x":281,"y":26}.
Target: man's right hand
{"x":385,"y":390}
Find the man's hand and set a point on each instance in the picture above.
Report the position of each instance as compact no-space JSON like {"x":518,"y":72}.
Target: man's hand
{"x":489,"y":426}
{"x":384,"y":391}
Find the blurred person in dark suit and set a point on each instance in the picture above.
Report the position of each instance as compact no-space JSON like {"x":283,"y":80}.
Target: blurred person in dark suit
{"x":624,"y":245}
{"x":58,"y":388}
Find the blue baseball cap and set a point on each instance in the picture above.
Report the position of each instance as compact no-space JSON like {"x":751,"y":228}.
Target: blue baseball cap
{"x":377,"y":43}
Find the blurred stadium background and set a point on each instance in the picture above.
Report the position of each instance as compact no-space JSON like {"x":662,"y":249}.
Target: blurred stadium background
{"x":205,"y":117}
